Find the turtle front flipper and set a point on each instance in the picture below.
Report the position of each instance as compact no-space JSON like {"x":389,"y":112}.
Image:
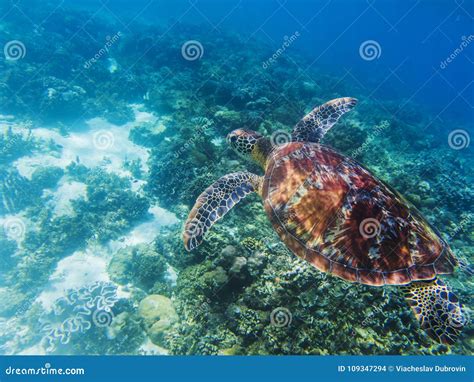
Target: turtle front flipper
{"x":315,"y":125}
{"x":215,"y":202}
{"x":437,"y":309}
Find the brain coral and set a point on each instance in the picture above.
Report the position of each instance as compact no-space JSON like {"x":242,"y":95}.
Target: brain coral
{"x":77,"y":311}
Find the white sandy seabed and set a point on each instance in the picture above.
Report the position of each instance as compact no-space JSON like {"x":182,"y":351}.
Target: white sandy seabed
{"x":108,"y":146}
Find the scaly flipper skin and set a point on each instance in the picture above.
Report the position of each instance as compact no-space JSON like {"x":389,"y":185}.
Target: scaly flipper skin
{"x":316,"y":124}
{"x":215,"y":202}
{"x":437,"y":309}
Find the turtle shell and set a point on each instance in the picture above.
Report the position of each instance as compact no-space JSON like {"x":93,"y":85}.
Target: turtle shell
{"x":332,"y":212}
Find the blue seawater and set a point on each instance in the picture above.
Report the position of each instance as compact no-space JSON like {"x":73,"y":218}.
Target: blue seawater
{"x":114,"y":117}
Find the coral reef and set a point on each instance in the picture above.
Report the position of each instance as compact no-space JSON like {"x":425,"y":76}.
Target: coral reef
{"x":78,"y":311}
{"x":159,"y":315}
{"x":91,"y":312}
{"x":241,"y":291}
{"x":142,"y":266}
{"x":14,"y":145}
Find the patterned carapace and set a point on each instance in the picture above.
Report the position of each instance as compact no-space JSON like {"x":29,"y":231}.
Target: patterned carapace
{"x":318,"y":201}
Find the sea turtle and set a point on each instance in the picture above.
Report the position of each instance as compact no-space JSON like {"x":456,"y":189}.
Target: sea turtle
{"x":333,"y":213}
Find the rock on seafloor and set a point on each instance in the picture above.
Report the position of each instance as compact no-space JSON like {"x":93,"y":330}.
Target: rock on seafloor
{"x":159,"y":315}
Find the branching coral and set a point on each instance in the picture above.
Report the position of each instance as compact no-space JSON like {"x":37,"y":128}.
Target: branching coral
{"x":14,"y":145}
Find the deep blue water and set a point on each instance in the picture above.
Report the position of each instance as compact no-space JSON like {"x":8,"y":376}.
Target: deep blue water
{"x":415,"y":38}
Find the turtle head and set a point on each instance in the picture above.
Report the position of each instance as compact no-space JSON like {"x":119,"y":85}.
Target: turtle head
{"x":243,"y":141}
{"x":250,"y":145}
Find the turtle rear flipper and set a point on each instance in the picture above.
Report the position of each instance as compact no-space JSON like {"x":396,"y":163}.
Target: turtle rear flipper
{"x":215,"y":202}
{"x":437,"y":309}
